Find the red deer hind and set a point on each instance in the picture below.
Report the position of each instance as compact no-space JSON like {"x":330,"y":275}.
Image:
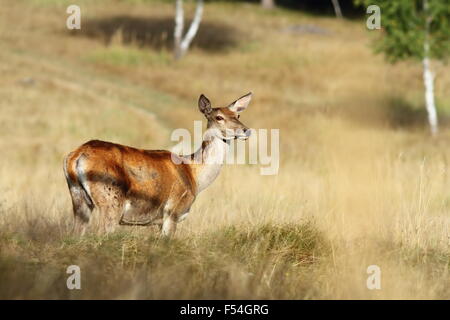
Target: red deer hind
{"x":131,"y":186}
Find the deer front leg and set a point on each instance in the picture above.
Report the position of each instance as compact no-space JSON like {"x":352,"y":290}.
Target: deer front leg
{"x":172,"y":212}
{"x":169,"y":227}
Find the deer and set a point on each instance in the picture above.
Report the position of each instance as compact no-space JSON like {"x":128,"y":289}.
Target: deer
{"x":131,"y":186}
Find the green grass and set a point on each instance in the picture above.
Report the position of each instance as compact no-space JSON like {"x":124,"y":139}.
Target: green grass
{"x":210,"y":264}
{"x":128,"y":57}
{"x":266,"y":261}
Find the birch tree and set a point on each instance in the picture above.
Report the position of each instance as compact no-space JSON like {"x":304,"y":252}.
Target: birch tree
{"x":337,"y":8}
{"x":416,"y":29}
{"x":182,"y":43}
{"x":268,"y":4}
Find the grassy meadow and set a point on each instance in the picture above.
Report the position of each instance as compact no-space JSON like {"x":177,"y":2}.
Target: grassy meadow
{"x":361,"y":182}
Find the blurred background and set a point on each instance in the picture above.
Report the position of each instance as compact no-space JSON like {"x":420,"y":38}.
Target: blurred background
{"x":361,"y":180}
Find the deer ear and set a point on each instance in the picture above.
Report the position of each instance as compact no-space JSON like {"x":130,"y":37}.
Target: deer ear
{"x":241,"y":104}
{"x":204,"y":105}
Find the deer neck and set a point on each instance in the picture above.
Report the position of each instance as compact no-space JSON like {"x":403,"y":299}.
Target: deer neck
{"x":208,"y":160}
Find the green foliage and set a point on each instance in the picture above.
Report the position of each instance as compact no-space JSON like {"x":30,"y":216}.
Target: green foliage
{"x":128,"y":57}
{"x":208,"y":265}
{"x":404,"y":28}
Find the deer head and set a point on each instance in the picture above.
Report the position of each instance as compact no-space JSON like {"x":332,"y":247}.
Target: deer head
{"x":224,"y":122}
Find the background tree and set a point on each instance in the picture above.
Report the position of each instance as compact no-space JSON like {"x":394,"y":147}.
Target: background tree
{"x":268,"y":4}
{"x":181,"y":44}
{"x":417,"y":29}
{"x":337,"y":8}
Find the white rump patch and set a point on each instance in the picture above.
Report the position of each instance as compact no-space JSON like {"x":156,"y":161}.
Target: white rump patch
{"x":80,"y":167}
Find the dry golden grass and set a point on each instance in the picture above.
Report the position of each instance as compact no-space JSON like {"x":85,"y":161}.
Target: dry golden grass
{"x":360,"y":181}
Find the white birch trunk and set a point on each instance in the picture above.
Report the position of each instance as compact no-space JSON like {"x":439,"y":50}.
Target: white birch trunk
{"x":179,"y":27}
{"x":268,"y":4}
{"x":337,"y":8}
{"x":182,"y":43}
{"x":194,"y":27}
{"x":428,"y":77}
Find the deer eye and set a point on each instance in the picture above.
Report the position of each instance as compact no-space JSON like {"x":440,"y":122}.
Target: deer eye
{"x":238,"y":116}
{"x":219,"y":118}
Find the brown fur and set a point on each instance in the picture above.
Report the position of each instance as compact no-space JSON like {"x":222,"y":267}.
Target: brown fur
{"x":116,"y":173}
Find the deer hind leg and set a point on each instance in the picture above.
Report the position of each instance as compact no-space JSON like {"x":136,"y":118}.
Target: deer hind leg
{"x":82,"y":210}
{"x":108,"y":219}
{"x":81,"y":202}
{"x":110,"y":199}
